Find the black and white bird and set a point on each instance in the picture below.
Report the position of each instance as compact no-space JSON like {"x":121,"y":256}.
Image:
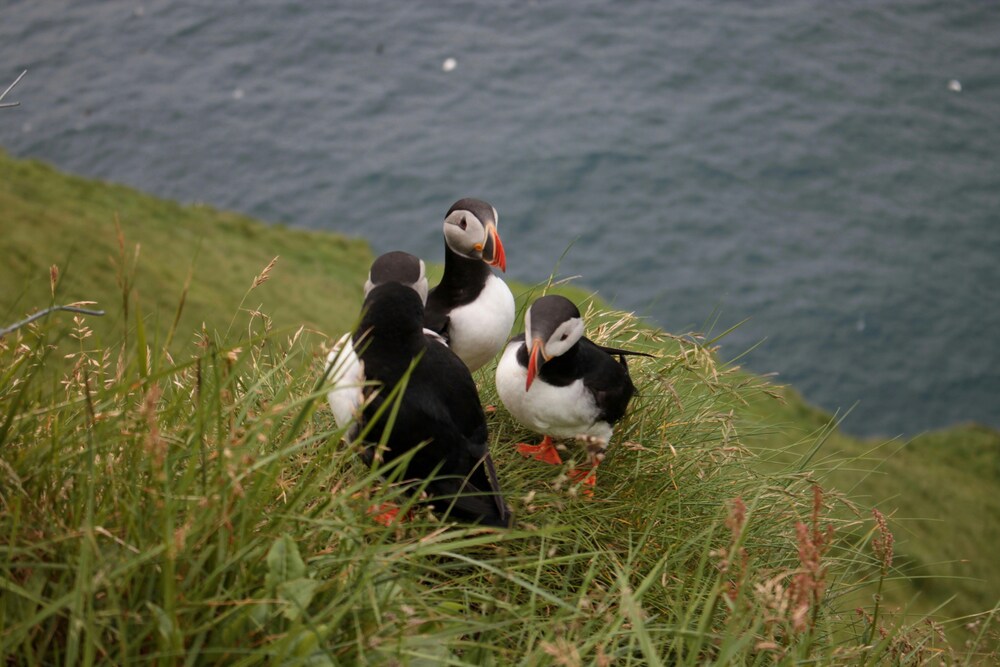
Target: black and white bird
{"x":472,"y":308}
{"x":344,"y":369}
{"x":438,"y":410}
{"x":558,"y":383}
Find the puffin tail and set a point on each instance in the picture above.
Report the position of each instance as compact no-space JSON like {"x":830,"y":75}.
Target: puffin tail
{"x":503,"y":511}
{"x":476,"y":498}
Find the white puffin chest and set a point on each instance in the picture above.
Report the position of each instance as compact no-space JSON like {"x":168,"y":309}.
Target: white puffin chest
{"x":562,"y":412}
{"x":479,"y":329}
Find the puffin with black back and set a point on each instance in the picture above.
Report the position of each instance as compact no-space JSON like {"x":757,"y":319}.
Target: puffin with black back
{"x":558,"y":383}
{"x":344,"y":369}
{"x":438,"y":414}
{"x":472,"y":308}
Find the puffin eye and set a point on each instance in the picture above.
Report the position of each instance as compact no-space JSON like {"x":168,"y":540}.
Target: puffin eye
{"x":564,"y":336}
{"x":462,"y":224}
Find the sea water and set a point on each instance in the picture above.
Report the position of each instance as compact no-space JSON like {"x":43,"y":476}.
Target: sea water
{"x":827,"y":170}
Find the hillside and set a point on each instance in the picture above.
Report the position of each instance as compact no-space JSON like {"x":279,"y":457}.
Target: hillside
{"x":935,"y":485}
{"x":51,"y":218}
{"x":938,"y":488}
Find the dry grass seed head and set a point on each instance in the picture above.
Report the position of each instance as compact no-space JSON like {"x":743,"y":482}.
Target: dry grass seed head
{"x":155,"y":445}
{"x":809,"y":582}
{"x":264,"y":275}
{"x":563,"y":652}
{"x":883,"y":544}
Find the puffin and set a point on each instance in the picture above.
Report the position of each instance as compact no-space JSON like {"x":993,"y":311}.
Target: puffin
{"x":344,"y":369}
{"x":472,"y":308}
{"x":436,"y":411}
{"x":560,"y":384}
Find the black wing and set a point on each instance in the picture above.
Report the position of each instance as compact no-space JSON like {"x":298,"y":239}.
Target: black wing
{"x":472,"y":480}
{"x":476,"y":496}
{"x":608,"y":379}
{"x":441,"y":413}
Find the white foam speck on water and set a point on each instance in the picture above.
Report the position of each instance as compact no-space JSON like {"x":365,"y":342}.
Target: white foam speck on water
{"x":449,"y":64}
{"x":238,"y":94}
{"x":955,"y":86}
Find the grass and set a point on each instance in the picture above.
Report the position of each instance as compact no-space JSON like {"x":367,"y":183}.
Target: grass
{"x":935,"y":486}
{"x":96,"y":233}
{"x":190,"y":502}
{"x":205,"y":512}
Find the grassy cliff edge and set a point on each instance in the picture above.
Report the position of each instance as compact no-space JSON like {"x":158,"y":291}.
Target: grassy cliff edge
{"x":164,"y":270}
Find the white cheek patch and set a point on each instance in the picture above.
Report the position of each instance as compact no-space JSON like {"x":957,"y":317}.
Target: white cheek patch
{"x":453,"y":236}
{"x":463,"y":241}
{"x":527,"y":327}
{"x":476,"y":232}
{"x":565,"y":337}
{"x":421,"y":284}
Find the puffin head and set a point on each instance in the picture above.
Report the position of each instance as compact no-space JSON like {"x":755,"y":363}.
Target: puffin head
{"x":392,"y":315}
{"x":552,"y":325}
{"x":398,"y":267}
{"x":470,"y":230}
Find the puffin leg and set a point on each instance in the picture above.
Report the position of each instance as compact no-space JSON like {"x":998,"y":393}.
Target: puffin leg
{"x":587,"y":476}
{"x":544,"y":451}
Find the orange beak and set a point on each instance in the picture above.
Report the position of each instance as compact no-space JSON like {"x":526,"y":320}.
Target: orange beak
{"x":493,"y":253}
{"x":536,"y":351}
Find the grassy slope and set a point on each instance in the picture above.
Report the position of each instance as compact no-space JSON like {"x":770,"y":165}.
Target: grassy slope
{"x":50,"y":218}
{"x":937,"y":486}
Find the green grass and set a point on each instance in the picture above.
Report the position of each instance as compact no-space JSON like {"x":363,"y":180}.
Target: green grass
{"x":205,"y":512}
{"x":195,"y":505}
{"x":53,"y":218}
{"x":936,"y":486}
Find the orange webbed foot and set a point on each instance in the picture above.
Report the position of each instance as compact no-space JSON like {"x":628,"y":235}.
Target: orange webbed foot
{"x":385,"y":514}
{"x":544,"y":451}
{"x":586,"y":477}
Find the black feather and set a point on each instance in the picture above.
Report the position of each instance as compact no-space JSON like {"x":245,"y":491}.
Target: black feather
{"x":461,"y":284}
{"x":623,"y":353}
{"x":439,"y":410}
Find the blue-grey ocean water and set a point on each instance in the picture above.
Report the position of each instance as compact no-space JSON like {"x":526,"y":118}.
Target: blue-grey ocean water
{"x":827,"y":169}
